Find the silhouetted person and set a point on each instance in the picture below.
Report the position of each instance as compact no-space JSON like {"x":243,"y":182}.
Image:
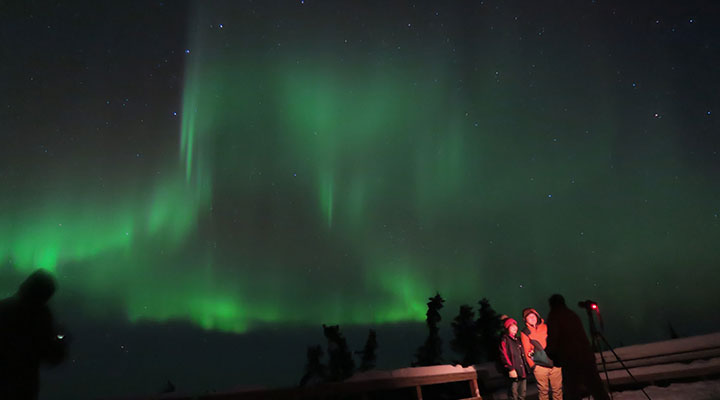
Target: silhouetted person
{"x":28,"y":337}
{"x":569,"y":348}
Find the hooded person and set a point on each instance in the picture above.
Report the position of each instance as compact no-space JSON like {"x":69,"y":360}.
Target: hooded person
{"x":569,"y":348}
{"x":511,"y":356}
{"x":28,"y":337}
{"x":534,"y":340}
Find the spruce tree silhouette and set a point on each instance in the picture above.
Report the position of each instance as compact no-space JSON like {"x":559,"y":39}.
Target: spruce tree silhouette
{"x":341,"y":365}
{"x":490,"y":330}
{"x":430,"y":353}
{"x":368,"y":352}
{"x":671,"y":330}
{"x":169,"y":387}
{"x":466,"y":341}
{"x":314,"y":368}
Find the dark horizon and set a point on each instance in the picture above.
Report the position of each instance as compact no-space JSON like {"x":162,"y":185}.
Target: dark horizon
{"x":241,"y":365}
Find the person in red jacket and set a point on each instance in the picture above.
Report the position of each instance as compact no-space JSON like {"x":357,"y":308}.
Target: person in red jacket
{"x":534,"y":340}
{"x":511,"y":356}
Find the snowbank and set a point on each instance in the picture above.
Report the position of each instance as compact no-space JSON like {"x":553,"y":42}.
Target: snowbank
{"x":705,"y":390}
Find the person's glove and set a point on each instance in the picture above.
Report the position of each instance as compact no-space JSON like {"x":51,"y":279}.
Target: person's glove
{"x":512,"y":374}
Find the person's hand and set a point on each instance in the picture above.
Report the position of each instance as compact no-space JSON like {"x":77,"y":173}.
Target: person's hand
{"x":512,"y":374}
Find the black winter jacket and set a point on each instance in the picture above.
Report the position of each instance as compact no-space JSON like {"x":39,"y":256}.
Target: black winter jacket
{"x":511,"y":355}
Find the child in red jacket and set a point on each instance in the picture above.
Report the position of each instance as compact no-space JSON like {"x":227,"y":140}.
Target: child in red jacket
{"x":512,"y":358}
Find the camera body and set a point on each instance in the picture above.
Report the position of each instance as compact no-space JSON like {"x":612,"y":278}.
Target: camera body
{"x":589,"y":305}
{"x":592,"y":308}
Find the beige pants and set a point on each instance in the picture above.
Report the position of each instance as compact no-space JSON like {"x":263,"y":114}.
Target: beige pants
{"x":549,"y":380}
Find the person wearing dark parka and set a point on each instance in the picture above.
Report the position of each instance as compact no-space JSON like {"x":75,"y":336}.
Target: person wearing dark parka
{"x":28,"y":337}
{"x":569,"y":348}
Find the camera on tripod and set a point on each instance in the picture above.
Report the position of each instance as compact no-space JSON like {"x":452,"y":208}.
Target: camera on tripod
{"x":589,"y":305}
{"x":597,"y":339}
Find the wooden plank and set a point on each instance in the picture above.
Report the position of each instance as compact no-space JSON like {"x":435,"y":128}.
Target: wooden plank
{"x":682,"y":345}
{"x":660,"y":358}
{"x":659,"y":373}
{"x":474,"y":390}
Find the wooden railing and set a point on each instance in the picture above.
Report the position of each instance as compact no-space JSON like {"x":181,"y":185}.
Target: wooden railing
{"x":361,"y":386}
{"x":692,"y":357}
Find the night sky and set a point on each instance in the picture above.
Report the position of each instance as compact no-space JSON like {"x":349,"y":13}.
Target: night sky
{"x":210,"y":182}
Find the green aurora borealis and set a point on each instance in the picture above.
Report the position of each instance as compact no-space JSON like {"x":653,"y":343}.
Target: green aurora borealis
{"x":341,"y":177}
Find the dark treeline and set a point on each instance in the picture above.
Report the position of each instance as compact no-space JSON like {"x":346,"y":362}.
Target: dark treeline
{"x":475,"y":340}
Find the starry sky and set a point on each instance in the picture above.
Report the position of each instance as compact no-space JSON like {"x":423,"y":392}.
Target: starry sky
{"x":210,"y":182}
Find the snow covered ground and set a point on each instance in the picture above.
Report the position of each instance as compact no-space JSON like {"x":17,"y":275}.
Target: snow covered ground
{"x":703,"y":390}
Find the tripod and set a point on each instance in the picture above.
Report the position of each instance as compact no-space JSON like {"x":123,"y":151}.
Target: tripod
{"x":597,"y":339}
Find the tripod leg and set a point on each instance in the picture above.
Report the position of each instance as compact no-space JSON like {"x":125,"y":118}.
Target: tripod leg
{"x":604,"y":365}
{"x":623,"y":364}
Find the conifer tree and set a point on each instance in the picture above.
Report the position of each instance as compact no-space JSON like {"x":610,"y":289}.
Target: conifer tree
{"x":466,"y":341}
{"x":368,"y":352}
{"x":341,"y":364}
{"x":314,"y":368}
{"x":430,"y":353}
{"x":490,"y":329}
